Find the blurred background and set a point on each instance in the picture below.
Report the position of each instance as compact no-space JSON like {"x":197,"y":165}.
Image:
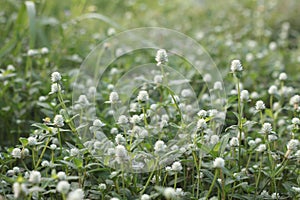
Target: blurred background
{"x":263,"y":33}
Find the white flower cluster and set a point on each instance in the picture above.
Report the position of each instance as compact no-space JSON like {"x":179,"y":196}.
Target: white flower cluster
{"x":161,"y":57}
{"x":236,"y":66}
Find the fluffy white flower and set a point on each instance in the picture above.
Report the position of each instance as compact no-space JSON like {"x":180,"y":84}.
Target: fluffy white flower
{"x":31,"y":141}
{"x":160,"y":146}
{"x":120,"y":139}
{"x":236,"y":66}
{"x":63,"y":187}
{"x":292,"y":144}
{"x":135,"y":119}
{"x":145,"y":197}
{"x":55,"y":87}
{"x":266,"y":128}
{"x":169,"y":193}
{"x":61,"y":175}
{"x":58,"y":120}
{"x":98,"y":123}
{"x":261,"y":148}
{"x":35,"y":177}
{"x":214,"y":139}
{"x":55,"y":77}
{"x":273,"y":90}
{"x":113,"y":97}
{"x":218,"y":85}
{"x":16,"y":153}
{"x":260,"y":105}
{"x":234,"y":142}
{"x":102,"y":186}
{"x":143,"y":96}
{"x":202,"y":113}
{"x":176,"y":166}
{"x":282,"y":76}
{"x":18,"y":189}
{"x":295,"y":100}
{"x":296,"y":121}
{"x":122,"y":120}
{"x":121,"y":154}
{"x":201,"y":124}
{"x":77,"y":194}
{"x":161,"y":57}
{"x":244,"y":95}
{"x":219,"y":163}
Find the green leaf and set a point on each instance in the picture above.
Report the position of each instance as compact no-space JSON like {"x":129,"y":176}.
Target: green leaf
{"x":23,"y":141}
{"x":78,"y":162}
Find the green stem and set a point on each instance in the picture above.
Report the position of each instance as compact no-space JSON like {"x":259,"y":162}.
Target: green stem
{"x":212,"y":184}
{"x":43,"y":152}
{"x":149,"y":178}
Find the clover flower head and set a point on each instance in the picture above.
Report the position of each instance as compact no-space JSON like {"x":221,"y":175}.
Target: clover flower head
{"x":143,"y":96}
{"x":63,"y":187}
{"x":161,"y":57}
{"x":58,"y":120}
{"x":236,"y":66}
{"x":35,"y":177}
{"x":77,"y":194}
{"x":260,"y":105}
{"x":176,"y":166}
{"x":219,"y":163}
{"x":55,"y":77}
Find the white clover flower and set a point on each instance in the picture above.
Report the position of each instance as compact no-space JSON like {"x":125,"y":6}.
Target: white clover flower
{"x":74,"y":152}
{"x":296,"y":189}
{"x":110,"y":87}
{"x":158,"y":79}
{"x":296,"y":121}
{"x":207,"y":78}
{"x":114,"y":198}
{"x":55,"y":77}
{"x":258,"y":140}
{"x":161,"y":57}
{"x":251,"y":143}
{"x":234,"y":142}
{"x":236,"y":66}
{"x":121,"y":154}
{"x":10,"y":68}
{"x":114,"y":131}
{"x":260,"y":105}
{"x":186,"y":93}
{"x":214,"y":139}
{"x":135,"y":119}
{"x":58,"y":120}
{"x":160,"y":146}
{"x":44,"y":50}
{"x":264,"y":193}
{"x":276,"y":106}
{"x":31,"y":141}
{"x":202,"y":113}
{"x":295,"y":99}
{"x":218,"y":85}
{"x":275,"y":195}
{"x":25,"y":152}
{"x":35,"y":177}
{"x":16,"y":170}
{"x":244,"y":95}
{"x":63,"y":187}
{"x":169,"y":193}
{"x":219,"y":163}
{"x":77,"y":194}
{"x":16,"y":153}
{"x":272,"y":138}
{"x":266,"y":128}
{"x":272,"y":46}
{"x":254,"y":95}
{"x":53,"y":146}
{"x":120,"y":139}
{"x":201,"y":124}
{"x":32,"y":52}
{"x":113,"y":97}
{"x":122,"y":120}
{"x":18,"y":189}
{"x":273,"y":90}
{"x":102,"y":186}
{"x":282,"y":76}
{"x":145,"y":197}
{"x":45,"y":163}
{"x":143,"y":96}
{"x":292,"y":144}
{"x":176,"y":166}
{"x":98,"y":123}
{"x":261,"y":148}
{"x":55,"y":87}
{"x":82,"y":99}
{"x":61,"y":175}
